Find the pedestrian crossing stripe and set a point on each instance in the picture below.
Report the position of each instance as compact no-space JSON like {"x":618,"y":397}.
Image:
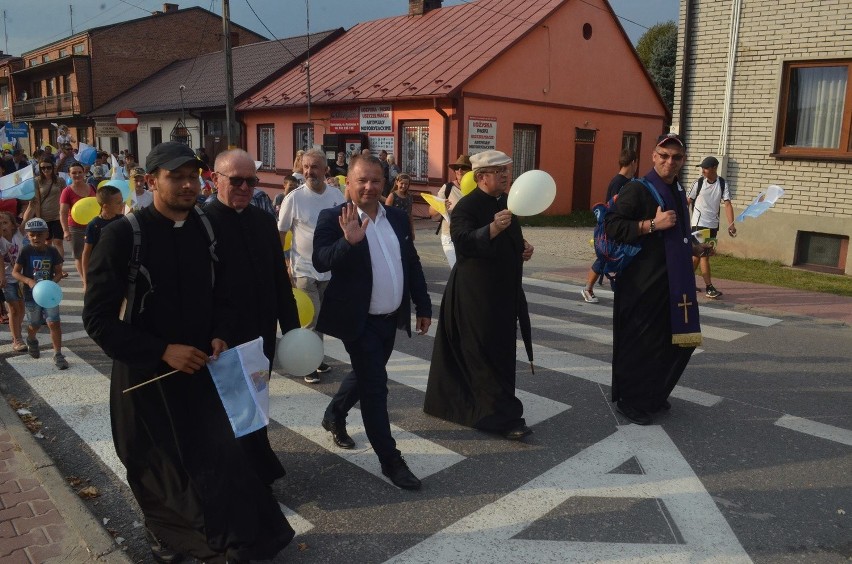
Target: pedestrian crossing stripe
{"x":80,"y":396}
{"x":494,"y":532}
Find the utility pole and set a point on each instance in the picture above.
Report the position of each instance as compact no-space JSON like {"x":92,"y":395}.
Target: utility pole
{"x":229,"y":74}
{"x":308,"y":63}
{"x":5,"y":33}
{"x":71,"y":15}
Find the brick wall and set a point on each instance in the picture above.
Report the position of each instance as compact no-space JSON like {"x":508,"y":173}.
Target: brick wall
{"x":124,"y":55}
{"x":771,"y":32}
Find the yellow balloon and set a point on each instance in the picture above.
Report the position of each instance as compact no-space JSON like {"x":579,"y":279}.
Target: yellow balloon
{"x":85,"y":210}
{"x":288,"y":240}
{"x":102,"y":183}
{"x":467,"y":183}
{"x":305,"y":306}
{"x":342,"y":180}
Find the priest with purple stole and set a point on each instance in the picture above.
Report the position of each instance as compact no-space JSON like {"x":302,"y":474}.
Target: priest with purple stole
{"x":655,"y":316}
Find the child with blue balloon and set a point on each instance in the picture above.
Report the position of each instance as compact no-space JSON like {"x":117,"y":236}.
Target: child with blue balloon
{"x":38,"y":269}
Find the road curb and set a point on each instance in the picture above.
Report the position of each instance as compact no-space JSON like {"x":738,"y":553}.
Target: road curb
{"x":99,"y":544}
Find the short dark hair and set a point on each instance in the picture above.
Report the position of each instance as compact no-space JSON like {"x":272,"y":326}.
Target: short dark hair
{"x":626,"y":157}
{"x":290,"y":178}
{"x":105,"y":192}
{"x":365,"y":159}
{"x":77,"y":164}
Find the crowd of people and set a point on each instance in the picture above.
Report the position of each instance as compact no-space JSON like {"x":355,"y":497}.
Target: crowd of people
{"x":224,"y":259}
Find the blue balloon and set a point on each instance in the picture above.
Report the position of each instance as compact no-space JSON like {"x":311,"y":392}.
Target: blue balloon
{"x":47,"y":293}
{"x":68,"y":181}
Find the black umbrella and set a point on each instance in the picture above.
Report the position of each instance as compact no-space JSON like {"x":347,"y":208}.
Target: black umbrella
{"x":526,"y":328}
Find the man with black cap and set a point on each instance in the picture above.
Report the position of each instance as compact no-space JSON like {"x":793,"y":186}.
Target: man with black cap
{"x":655,"y":314}
{"x":705,"y":196}
{"x":198,"y":492}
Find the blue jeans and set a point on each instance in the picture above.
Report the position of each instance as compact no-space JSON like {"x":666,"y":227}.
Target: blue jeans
{"x":368,"y":382}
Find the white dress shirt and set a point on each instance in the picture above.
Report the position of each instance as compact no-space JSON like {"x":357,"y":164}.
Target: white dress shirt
{"x":386,"y":262}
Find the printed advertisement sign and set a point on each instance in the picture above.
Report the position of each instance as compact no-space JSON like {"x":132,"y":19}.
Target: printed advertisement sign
{"x":381,"y":142}
{"x":481,"y":134}
{"x":376,"y":119}
{"x":344,"y":121}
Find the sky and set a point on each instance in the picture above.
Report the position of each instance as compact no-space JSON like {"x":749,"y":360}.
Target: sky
{"x":24,"y":32}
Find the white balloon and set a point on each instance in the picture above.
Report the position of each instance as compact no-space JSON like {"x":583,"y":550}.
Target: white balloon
{"x":531,"y":193}
{"x":299,"y":352}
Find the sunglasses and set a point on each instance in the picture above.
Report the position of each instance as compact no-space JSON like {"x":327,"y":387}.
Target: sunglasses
{"x":666,"y":156}
{"x":237,"y":181}
{"x":46,"y":167}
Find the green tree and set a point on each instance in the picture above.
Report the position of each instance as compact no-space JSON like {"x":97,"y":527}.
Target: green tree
{"x":657,"y":49}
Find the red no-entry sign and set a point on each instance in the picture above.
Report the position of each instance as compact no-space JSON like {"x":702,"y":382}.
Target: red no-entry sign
{"x":127,"y":120}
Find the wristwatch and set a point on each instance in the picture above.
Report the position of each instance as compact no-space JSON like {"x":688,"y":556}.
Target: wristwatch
{"x":652,"y":228}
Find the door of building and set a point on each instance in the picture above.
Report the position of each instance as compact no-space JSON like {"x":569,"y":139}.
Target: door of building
{"x":584,"y":156}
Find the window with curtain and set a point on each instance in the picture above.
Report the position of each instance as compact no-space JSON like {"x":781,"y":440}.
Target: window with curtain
{"x":815,"y":111}
{"x":266,"y":145}
{"x":414,"y":150}
{"x":524,"y":148}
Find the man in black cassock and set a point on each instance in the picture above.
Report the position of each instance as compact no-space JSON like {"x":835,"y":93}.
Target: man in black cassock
{"x":252,"y":273}
{"x":655,"y":315}
{"x":472,"y":375}
{"x":199,"y":493}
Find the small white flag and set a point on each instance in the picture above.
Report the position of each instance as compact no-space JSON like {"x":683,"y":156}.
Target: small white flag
{"x":241,"y":376}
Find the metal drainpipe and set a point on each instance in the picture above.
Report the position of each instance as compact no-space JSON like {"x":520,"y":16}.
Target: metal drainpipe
{"x":446,"y":117}
{"x":724,"y":134}
{"x":684,"y":75}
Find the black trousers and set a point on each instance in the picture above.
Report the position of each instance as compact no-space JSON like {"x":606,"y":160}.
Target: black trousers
{"x":368,"y":383}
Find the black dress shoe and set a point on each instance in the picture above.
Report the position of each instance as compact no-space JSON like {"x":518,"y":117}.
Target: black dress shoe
{"x":635,"y":415}
{"x":159,"y":551}
{"x":338,"y":433}
{"x":517,"y":433}
{"x":664,"y":406}
{"x":398,"y":473}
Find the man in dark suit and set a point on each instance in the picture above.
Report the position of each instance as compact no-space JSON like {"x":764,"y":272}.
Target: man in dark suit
{"x":375,"y":274}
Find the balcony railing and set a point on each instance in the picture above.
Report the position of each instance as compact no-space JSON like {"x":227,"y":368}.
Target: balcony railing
{"x":52,"y":106}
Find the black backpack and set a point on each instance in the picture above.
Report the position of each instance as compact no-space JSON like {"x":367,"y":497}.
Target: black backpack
{"x":137,"y":268}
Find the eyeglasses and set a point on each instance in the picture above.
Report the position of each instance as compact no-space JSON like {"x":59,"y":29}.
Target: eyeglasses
{"x":237,"y":181}
{"x":501,"y":170}
{"x":677,"y":157}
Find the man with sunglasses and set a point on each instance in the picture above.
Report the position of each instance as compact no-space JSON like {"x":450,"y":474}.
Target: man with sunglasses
{"x":299,"y":214}
{"x":198,"y":488}
{"x":655,"y":315}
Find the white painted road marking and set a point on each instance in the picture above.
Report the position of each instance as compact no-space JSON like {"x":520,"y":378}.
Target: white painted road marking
{"x":488,"y":535}
{"x":80,"y":396}
{"x":816,"y":429}
{"x":301,"y":409}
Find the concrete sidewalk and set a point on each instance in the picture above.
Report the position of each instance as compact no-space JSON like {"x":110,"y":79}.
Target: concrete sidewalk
{"x":41,"y":518}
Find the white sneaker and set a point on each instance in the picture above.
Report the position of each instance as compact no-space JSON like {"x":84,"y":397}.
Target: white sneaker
{"x":589,"y":296}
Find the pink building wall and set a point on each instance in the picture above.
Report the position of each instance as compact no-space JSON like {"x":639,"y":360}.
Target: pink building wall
{"x":553,"y":77}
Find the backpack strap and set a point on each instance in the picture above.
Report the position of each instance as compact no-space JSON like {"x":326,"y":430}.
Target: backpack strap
{"x":211,"y":238}
{"x":135,"y":268}
{"x":645,"y":182}
{"x":448,"y":187}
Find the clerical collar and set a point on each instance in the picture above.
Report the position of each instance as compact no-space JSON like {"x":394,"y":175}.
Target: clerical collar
{"x":179,"y":223}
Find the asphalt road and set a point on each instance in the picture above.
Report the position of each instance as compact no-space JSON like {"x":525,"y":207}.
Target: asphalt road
{"x":753,"y":462}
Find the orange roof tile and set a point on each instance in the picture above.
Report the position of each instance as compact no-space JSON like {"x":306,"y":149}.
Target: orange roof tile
{"x":407,"y":57}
